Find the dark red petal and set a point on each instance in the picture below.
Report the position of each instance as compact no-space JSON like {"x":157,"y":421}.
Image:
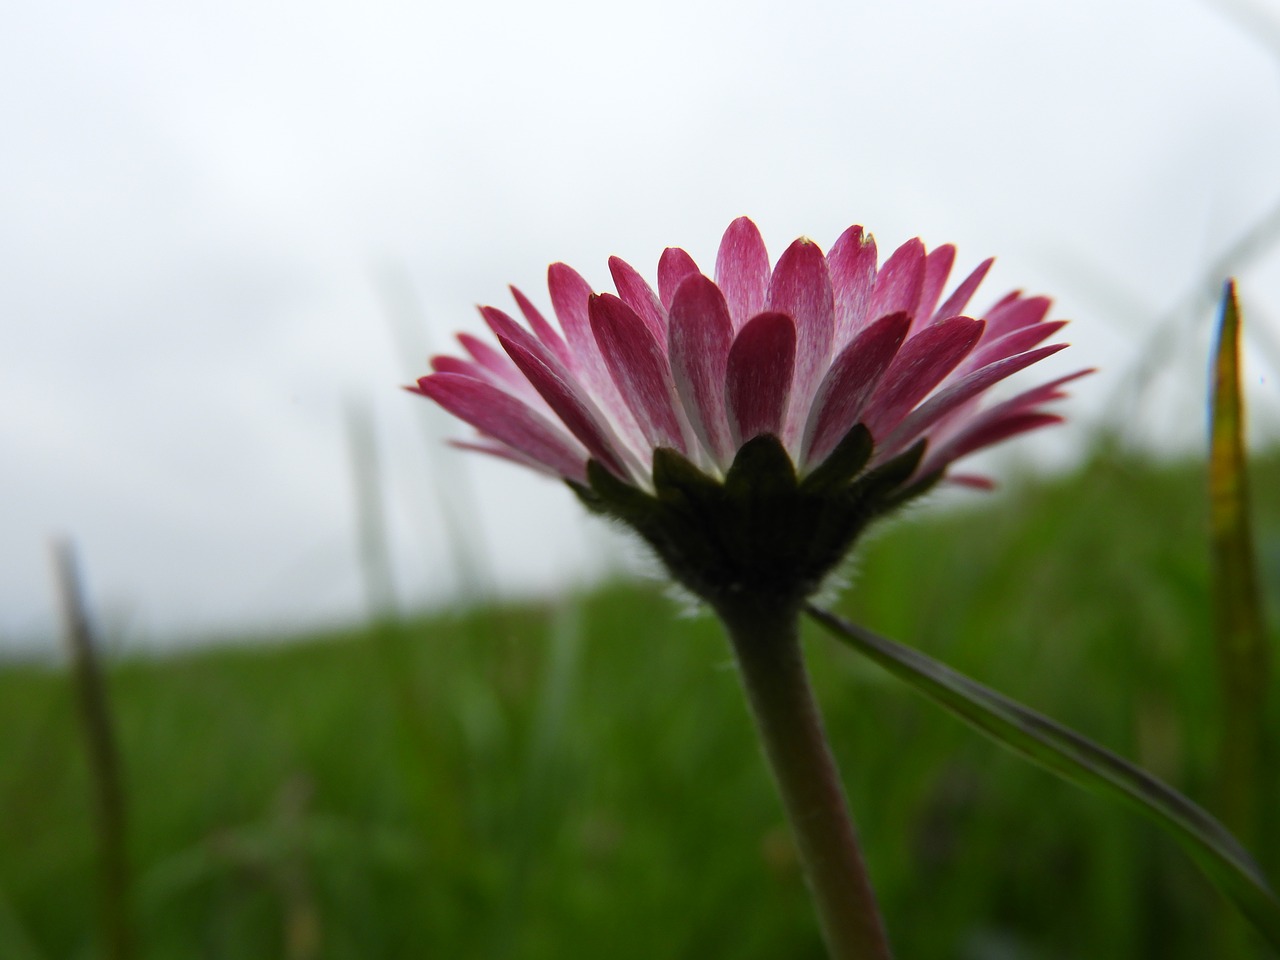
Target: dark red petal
{"x":853,"y":276}
{"x":636,"y":293}
{"x":960,"y":442}
{"x":1013,"y":343}
{"x":498,"y":414}
{"x":937,"y":267}
{"x":1013,"y":315}
{"x":673,"y":266}
{"x":989,"y":433}
{"x":899,"y":282}
{"x":973,"y":480}
{"x":922,"y":363}
{"x":758,"y":376}
{"x":700,"y":335}
{"x":956,"y":303}
{"x":742,"y":270}
{"x":849,"y":383}
{"x":1043,"y":393}
{"x":959,"y":392}
{"x":801,"y":288}
{"x":638,"y":365}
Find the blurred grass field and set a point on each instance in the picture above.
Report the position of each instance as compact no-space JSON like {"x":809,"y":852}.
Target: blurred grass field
{"x":580,"y":779}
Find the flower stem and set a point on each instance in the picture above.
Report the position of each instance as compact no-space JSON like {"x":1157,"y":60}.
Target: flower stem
{"x":767,"y":645}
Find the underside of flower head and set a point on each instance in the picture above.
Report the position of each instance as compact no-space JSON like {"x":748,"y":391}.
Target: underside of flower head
{"x":748,"y":426}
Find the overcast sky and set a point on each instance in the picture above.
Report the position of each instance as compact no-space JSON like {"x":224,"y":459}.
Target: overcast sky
{"x":224,"y":224}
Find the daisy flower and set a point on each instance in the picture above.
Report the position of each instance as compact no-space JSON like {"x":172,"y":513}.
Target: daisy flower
{"x":749,"y":425}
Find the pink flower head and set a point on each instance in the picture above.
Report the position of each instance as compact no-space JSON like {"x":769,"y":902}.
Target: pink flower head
{"x":854,"y":385}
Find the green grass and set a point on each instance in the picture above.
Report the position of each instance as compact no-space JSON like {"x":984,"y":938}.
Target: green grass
{"x":580,"y":779}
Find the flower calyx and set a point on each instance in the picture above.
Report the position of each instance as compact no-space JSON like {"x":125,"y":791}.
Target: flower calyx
{"x":763,"y":536}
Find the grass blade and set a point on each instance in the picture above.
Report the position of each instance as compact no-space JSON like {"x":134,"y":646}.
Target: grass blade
{"x":105,"y":774}
{"x":542,"y":789}
{"x":1079,"y":760}
{"x":371,"y":524}
{"x":1238,"y":626}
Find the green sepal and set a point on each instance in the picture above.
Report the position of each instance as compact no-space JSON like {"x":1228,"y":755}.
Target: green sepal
{"x":762,"y":533}
{"x":590,"y":499}
{"x":845,"y":462}
{"x":676,"y":479}
{"x":920,"y":487}
{"x":761,"y":470}
{"x":617,"y":498}
{"x":876,"y":490}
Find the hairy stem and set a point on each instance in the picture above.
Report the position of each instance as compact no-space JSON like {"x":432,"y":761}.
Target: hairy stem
{"x":767,"y":644}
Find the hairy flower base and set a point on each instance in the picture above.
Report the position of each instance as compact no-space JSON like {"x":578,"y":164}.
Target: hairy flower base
{"x":763,"y":536}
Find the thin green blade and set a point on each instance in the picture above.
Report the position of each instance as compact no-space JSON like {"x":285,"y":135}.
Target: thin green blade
{"x":1239,"y":630}
{"x":1079,"y":760}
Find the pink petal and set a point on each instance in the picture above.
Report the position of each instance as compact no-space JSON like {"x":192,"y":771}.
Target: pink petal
{"x":565,"y":396}
{"x":569,"y":295}
{"x":495,"y":449}
{"x":484,"y":354}
{"x":801,"y":287}
{"x":742,"y":270}
{"x":504,"y":325}
{"x":1013,"y":315}
{"x":1013,"y":343}
{"x":496,"y":413}
{"x":958,"y":300}
{"x":853,"y":275}
{"x":974,"y":434}
{"x":638,"y":364}
{"x":943,"y":402}
{"x":758,"y":376}
{"x":701,"y":333}
{"x":541,"y":328}
{"x":636,"y":293}
{"x":850,"y":381}
{"x":502,"y":371}
{"x":447,"y":364}
{"x":1044,"y":393}
{"x":499,"y":366}
{"x":988,"y":433}
{"x":899,"y":282}
{"x":673,"y":266}
{"x":937,"y":267}
{"x":973,"y":480}
{"x":924,"y":360}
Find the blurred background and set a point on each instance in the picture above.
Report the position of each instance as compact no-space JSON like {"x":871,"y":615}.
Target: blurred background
{"x":229,"y":232}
